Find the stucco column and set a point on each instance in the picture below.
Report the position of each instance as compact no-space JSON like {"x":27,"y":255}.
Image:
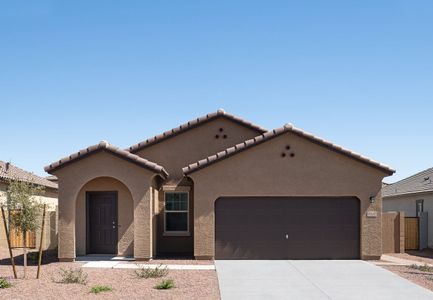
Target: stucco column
{"x":66,"y":225}
{"x":143,"y":225}
{"x":204,"y":223}
{"x":371,"y":233}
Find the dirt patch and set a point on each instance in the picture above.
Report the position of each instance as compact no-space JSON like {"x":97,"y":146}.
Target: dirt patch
{"x":190,"y":284}
{"x":425,"y":256}
{"x":424,"y":279}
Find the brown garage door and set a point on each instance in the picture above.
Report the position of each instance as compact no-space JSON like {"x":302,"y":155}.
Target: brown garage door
{"x":287,"y":228}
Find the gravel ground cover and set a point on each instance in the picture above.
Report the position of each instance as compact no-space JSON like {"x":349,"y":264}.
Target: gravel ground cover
{"x":424,"y":279}
{"x":190,"y":284}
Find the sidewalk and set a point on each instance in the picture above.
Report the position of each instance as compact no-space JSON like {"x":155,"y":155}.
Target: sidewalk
{"x":391,"y":260}
{"x":130,"y":265}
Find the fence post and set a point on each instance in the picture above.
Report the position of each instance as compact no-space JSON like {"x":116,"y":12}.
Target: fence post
{"x":40,"y":243}
{"x":9,"y":243}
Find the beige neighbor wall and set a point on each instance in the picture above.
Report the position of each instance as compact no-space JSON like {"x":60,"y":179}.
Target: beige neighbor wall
{"x":125,"y":245}
{"x":180,"y":150}
{"x":195,"y":144}
{"x":137,"y":179}
{"x":50,"y":231}
{"x":313,"y":171}
{"x":407,"y":203}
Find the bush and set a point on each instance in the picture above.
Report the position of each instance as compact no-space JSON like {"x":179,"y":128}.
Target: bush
{"x":145,"y":272}
{"x":424,"y":268}
{"x":165,"y":285}
{"x":33,"y":256}
{"x":72,"y":276}
{"x":100,"y":288}
{"x":4,"y":284}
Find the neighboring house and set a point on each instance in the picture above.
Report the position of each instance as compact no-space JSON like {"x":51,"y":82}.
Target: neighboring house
{"x":221,"y":187}
{"x":412,"y":195}
{"x":49,"y":197}
{"x":52,"y":178}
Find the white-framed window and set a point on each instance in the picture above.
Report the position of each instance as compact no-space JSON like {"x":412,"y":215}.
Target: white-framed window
{"x":176,"y":213}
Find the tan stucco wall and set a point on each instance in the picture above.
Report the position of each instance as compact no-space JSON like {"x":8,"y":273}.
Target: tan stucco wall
{"x":261,"y":171}
{"x":393,"y":232}
{"x":195,"y":144}
{"x":407,"y":203}
{"x":125,"y":214}
{"x":74,"y":176}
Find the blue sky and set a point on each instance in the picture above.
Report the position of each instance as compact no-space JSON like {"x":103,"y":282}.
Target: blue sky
{"x":358,"y":73}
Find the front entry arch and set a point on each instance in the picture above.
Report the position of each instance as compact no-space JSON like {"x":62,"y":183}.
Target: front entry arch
{"x":101,"y":202}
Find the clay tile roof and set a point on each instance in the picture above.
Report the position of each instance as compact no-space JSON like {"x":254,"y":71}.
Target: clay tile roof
{"x":191,"y":124}
{"x":418,"y":183}
{"x":274,"y":133}
{"x":9,"y":171}
{"x":105,"y":146}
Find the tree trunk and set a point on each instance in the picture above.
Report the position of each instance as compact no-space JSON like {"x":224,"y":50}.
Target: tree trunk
{"x":25,"y":253}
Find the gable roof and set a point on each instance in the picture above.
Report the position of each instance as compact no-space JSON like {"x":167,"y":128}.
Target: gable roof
{"x":11,"y":172}
{"x":274,"y":133}
{"x":192,"y":124}
{"x":105,"y":146}
{"x":418,"y":183}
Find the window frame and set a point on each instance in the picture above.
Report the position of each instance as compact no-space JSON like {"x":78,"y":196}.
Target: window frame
{"x":171,"y":232}
{"x":417,"y":203}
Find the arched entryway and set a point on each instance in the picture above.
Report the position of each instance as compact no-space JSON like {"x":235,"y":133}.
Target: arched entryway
{"x":104,"y":215}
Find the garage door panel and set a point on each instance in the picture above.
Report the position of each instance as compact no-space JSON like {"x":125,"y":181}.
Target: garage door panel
{"x":287,"y":228}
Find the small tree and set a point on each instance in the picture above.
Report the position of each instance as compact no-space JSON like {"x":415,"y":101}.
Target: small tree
{"x":24,"y":209}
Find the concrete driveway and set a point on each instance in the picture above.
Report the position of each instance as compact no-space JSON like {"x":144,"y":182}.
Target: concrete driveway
{"x":312,"y":279}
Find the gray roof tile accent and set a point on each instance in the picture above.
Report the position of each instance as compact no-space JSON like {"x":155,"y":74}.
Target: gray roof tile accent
{"x":11,"y":172}
{"x":105,"y":146}
{"x":418,"y":183}
{"x":274,"y":133}
{"x":192,"y":124}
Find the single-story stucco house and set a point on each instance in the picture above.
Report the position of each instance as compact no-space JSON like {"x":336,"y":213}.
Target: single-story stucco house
{"x":221,"y":187}
{"x":9,"y":172}
{"x":412,"y":195}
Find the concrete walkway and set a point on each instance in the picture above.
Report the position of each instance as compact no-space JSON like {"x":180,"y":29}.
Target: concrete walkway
{"x":401,"y":261}
{"x":131,"y":265}
{"x":320,"y":279}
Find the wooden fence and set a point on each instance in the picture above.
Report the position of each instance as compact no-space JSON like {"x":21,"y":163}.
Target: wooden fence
{"x":18,"y":242}
{"x":411,"y":233}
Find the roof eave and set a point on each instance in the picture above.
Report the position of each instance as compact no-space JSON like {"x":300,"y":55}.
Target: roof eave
{"x":199,"y":165}
{"x":104,"y":146}
{"x":193,"y":124}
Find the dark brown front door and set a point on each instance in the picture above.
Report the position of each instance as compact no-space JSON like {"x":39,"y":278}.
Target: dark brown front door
{"x":102,"y":222}
{"x":287,"y":228}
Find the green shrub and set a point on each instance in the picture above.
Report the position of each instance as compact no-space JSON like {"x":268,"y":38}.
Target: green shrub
{"x":424,"y":268}
{"x":4,"y":284}
{"x":33,"y":256}
{"x":72,"y":276}
{"x":100,"y":288}
{"x":165,"y":285}
{"x":146,"y":272}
